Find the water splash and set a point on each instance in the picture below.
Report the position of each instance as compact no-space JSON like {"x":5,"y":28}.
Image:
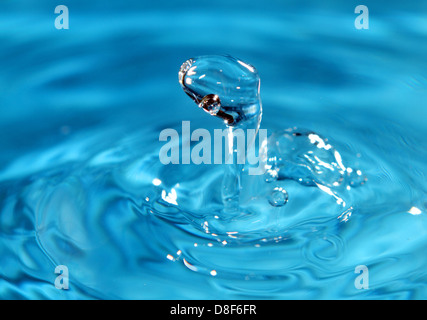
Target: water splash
{"x":229,"y":89}
{"x":304,"y":156}
{"x":99,"y":202}
{"x":309,"y":159}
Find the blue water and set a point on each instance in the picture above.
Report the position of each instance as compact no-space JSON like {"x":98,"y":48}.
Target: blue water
{"x":81,"y":184}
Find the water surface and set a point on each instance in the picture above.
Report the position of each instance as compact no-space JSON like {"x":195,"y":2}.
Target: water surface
{"x":82,"y":109}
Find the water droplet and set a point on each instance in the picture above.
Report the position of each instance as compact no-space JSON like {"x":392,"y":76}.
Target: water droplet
{"x":234,"y":83}
{"x":278,"y":197}
{"x":271,"y":175}
{"x":211,"y":104}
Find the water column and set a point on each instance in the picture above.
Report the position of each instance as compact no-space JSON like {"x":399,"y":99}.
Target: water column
{"x":227,"y":88}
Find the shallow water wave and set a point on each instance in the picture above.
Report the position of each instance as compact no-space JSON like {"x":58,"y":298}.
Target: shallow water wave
{"x":81,"y":183}
{"x":106,"y":197}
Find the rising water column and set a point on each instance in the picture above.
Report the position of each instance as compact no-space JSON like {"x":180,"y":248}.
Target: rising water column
{"x":227,"y":88}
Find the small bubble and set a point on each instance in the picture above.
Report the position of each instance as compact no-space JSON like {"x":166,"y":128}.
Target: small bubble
{"x":211,"y":104}
{"x":278,"y":197}
{"x":271,"y":175}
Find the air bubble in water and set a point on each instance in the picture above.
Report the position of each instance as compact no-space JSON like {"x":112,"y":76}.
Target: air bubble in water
{"x":211,"y":103}
{"x":271,"y":175}
{"x":278,"y":197}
